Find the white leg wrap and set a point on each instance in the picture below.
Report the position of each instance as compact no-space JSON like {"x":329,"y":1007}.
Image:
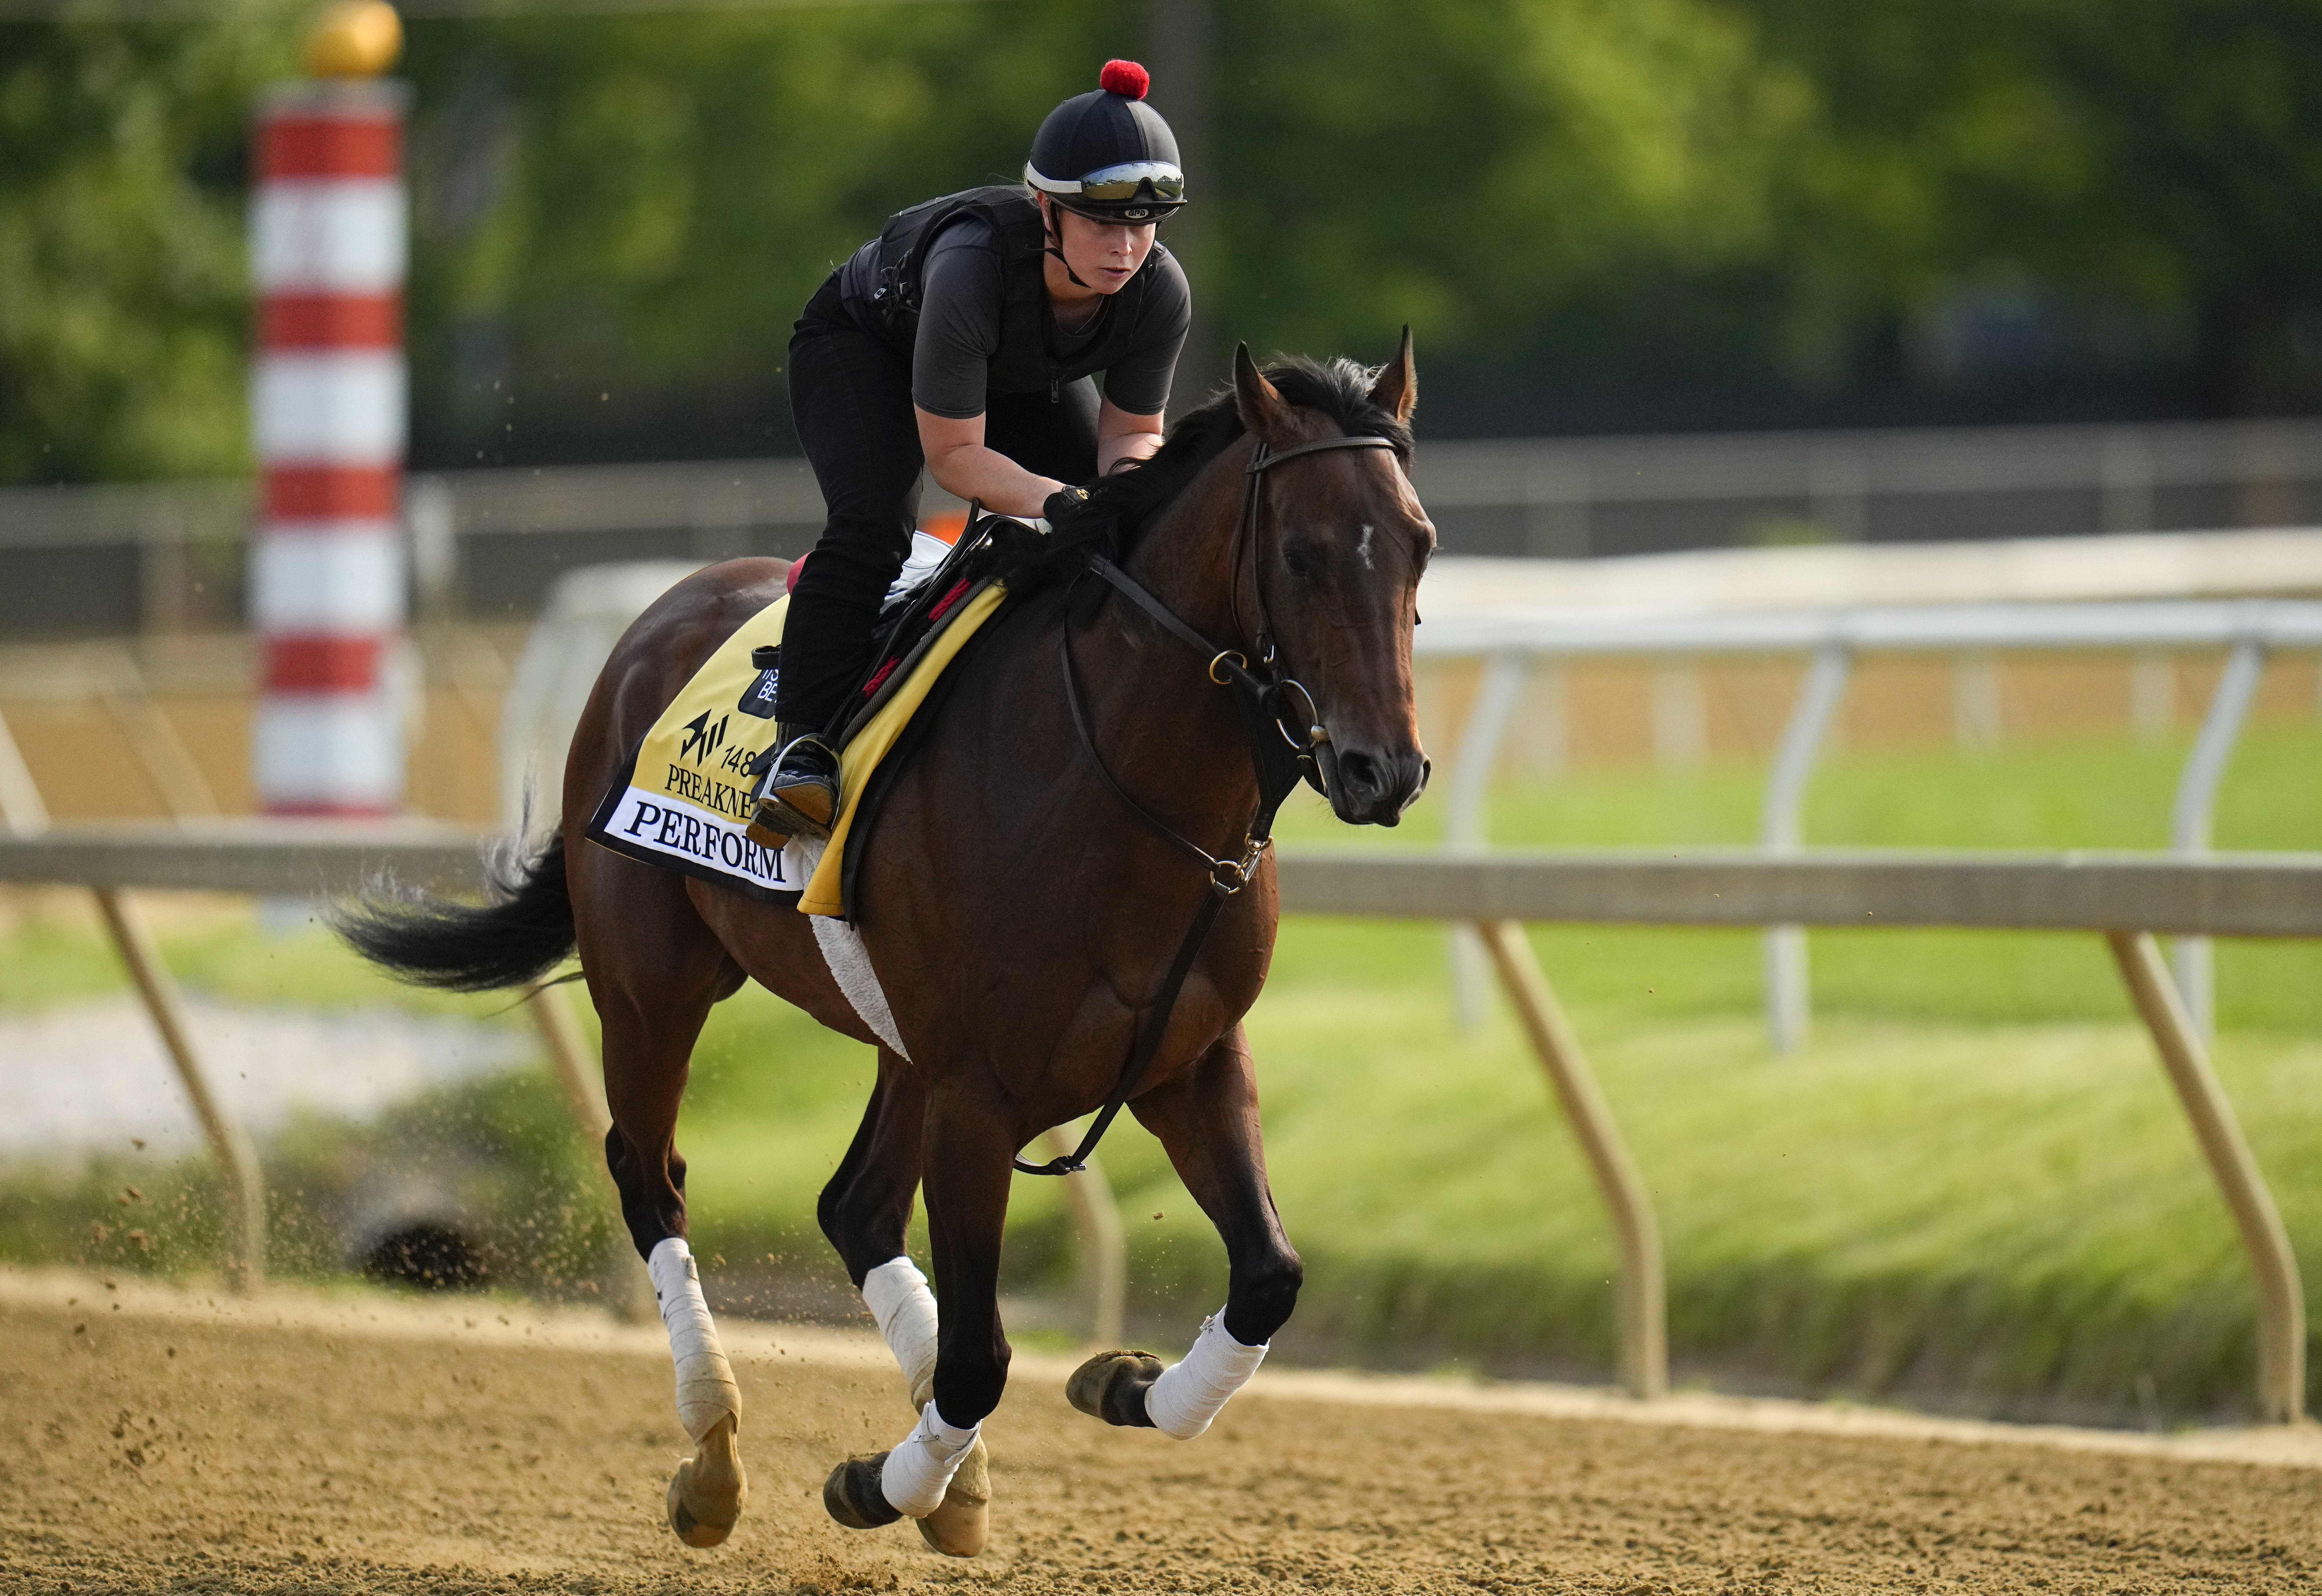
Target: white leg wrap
{"x":918,"y":1471}
{"x":1188,"y":1394}
{"x":897,"y":1295}
{"x":706,"y":1392}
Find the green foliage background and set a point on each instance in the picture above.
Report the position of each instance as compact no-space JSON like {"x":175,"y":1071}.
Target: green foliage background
{"x":618,"y":217}
{"x":123,"y":282}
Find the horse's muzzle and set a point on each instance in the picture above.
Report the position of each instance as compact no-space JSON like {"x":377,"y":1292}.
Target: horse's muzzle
{"x":1372,"y":786}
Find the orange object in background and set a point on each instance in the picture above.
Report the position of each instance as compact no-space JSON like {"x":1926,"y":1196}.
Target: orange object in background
{"x":946,"y":526}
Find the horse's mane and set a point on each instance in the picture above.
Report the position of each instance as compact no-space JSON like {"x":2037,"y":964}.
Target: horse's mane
{"x":1121,"y":506}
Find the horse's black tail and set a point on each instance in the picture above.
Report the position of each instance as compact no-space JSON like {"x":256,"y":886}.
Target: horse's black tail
{"x":523,"y":931}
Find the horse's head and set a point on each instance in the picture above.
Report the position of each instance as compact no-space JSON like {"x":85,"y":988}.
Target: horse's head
{"x":1335,"y":552}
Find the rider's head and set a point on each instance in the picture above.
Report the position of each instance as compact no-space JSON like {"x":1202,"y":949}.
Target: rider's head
{"x":1107,"y":155}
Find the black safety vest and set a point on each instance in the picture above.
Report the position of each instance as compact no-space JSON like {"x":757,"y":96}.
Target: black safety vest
{"x":1023,"y":363}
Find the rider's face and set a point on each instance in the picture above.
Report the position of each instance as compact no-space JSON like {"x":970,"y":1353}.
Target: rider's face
{"x":1103,"y":254}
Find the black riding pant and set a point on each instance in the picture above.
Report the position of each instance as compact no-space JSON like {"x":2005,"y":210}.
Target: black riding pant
{"x":851,"y":394}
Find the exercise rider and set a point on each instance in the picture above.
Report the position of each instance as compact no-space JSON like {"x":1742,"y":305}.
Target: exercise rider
{"x":965,"y":338}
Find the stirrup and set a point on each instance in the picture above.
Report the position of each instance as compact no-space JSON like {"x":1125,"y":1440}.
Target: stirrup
{"x":800,"y":795}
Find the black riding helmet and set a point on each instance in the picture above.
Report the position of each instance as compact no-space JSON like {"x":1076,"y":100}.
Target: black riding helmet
{"x":1108,"y":155}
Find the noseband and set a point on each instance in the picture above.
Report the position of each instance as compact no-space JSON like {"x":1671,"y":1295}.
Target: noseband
{"x":1259,"y":692}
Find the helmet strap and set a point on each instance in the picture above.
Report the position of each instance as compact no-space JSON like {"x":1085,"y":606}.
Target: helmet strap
{"x":1053,"y":217}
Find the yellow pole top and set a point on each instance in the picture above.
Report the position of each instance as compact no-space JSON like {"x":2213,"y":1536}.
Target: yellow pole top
{"x":355,"y":38}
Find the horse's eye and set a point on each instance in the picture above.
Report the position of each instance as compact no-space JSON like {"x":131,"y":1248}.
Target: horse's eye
{"x":1296,"y":563}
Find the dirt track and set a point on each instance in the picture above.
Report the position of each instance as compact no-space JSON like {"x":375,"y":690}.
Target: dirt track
{"x":161,"y":1445}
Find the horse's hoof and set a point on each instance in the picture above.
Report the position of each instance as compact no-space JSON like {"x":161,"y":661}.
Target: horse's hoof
{"x":1111,"y":1386}
{"x":852,"y":1494}
{"x":707,"y":1495}
{"x":957,"y":1528}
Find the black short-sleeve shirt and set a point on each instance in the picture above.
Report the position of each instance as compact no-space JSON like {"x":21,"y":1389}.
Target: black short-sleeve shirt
{"x":959,"y":326}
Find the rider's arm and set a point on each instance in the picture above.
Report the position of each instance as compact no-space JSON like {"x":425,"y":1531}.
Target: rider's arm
{"x":962,"y":466}
{"x":1129,"y":425}
{"x":959,"y":332}
{"x":1124,"y":438}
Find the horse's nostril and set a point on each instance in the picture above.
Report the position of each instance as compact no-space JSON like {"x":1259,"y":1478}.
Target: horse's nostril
{"x":1360,"y":771}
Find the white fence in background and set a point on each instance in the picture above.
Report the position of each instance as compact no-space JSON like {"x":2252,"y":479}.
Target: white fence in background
{"x":588,"y":610}
{"x":1513,"y":647}
{"x":2126,"y":898}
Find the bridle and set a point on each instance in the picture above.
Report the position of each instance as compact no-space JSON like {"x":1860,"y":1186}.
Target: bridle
{"x":1259,"y":692}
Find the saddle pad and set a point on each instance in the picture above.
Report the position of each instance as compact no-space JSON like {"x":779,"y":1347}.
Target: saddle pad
{"x":860,"y":759}
{"x":684,"y":802}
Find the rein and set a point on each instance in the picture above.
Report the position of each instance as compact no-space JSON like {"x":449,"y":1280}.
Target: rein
{"x":1259,"y":695}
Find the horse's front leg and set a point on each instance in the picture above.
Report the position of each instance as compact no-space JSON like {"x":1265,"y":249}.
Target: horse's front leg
{"x":1207,"y":1120}
{"x":866,"y":1210}
{"x":966,"y":1186}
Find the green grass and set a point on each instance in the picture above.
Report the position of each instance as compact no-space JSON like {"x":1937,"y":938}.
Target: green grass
{"x":2012,"y":1209}
{"x":2091,"y":794}
{"x":1972,"y":1188}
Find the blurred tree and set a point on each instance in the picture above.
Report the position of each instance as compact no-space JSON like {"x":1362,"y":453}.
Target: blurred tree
{"x":621,"y":216}
{"x":2153,"y":167}
{"x":123,"y":304}
{"x":1794,"y":202}
{"x":664,"y":197}
{"x":1561,"y":185}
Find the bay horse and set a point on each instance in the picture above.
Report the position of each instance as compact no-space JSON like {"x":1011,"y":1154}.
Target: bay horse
{"x":1020,"y":902}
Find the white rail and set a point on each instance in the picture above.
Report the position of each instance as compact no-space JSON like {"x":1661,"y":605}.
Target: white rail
{"x":2125,"y":897}
{"x":1510,"y":644}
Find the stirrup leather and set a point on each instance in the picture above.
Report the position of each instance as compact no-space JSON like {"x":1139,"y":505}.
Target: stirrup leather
{"x":800,"y":795}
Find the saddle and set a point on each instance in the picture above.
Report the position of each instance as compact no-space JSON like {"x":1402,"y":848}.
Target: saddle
{"x":915,"y":612}
{"x":683,"y":802}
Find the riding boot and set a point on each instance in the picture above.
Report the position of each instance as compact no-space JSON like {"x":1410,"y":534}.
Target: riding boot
{"x":799,"y":796}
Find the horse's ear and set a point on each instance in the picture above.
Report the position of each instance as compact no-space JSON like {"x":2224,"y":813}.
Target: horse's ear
{"x":1263,"y":409}
{"x":1396,"y":390}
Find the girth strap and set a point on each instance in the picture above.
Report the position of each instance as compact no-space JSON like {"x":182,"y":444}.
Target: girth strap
{"x":1148,"y":1035}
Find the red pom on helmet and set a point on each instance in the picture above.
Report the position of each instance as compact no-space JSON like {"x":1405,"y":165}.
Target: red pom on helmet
{"x":1126,"y":79}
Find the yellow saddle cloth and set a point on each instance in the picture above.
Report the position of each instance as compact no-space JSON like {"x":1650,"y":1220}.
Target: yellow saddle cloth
{"x":684,"y":802}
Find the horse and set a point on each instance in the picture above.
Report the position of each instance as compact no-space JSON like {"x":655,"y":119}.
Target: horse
{"x":1025,"y":885}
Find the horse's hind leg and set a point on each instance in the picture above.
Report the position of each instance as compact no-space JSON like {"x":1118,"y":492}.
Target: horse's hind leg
{"x":1207,"y":1121}
{"x":864,"y":1211}
{"x":654,"y":969}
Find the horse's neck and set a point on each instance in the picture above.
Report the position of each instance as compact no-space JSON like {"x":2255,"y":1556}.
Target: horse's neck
{"x":1166,"y":727}
{"x":1185,"y":557}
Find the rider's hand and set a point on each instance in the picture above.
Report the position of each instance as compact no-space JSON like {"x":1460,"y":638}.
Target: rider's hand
{"x":1061,"y":503}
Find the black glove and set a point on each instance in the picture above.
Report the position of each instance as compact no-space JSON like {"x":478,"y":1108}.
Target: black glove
{"x":1063,"y":503}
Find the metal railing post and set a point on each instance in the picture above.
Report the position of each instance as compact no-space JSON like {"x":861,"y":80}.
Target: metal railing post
{"x":1680,"y":717}
{"x":22,"y":811}
{"x":246,"y":1183}
{"x":1978,"y":719}
{"x":1789,"y":1002}
{"x":1104,"y":1254}
{"x":1644,"y":1290}
{"x":2281,"y":1298}
{"x":2191,"y":818}
{"x":1466,"y":824}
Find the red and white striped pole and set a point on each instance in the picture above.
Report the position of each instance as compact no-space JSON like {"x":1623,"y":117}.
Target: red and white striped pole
{"x":327,"y":399}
